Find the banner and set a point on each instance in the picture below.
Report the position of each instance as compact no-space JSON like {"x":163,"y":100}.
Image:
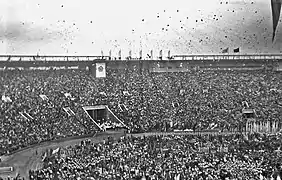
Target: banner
{"x":100,"y":70}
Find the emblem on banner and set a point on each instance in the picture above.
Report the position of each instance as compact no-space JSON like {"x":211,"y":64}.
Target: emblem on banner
{"x":100,"y":68}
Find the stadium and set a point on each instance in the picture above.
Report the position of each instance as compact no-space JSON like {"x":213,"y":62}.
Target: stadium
{"x":195,"y":97}
{"x":142,"y":113}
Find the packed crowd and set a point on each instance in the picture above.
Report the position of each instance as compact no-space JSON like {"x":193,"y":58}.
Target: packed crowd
{"x":145,"y":101}
{"x":168,"y":157}
{"x":196,"y":100}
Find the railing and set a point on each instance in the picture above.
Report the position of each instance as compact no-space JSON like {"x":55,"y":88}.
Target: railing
{"x":13,"y":58}
{"x":173,"y":57}
{"x":229,"y":57}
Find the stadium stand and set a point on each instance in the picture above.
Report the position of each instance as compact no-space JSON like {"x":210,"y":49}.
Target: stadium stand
{"x":145,"y":101}
{"x":44,"y":105}
{"x":168,"y":157}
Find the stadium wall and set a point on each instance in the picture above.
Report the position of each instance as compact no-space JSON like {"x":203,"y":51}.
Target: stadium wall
{"x":163,"y":65}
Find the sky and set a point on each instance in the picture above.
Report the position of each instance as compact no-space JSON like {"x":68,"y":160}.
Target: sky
{"x":88,"y":27}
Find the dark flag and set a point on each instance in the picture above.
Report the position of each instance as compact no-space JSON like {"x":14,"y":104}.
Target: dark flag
{"x":130,"y":54}
{"x":236,"y":50}
{"x":140,"y":54}
{"x":119,"y":54}
{"x":276,"y":8}
{"x":225,"y":50}
{"x":161,"y":54}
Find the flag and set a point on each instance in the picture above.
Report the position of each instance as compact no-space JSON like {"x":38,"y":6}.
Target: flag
{"x":67,"y":95}
{"x":43,"y":97}
{"x":103,"y":93}
{"x":182,"y":91}
{"x":100,"y":70}
{"x":44,"y":157}
{"x":225,"y":50}
{"x":236,"y":50}
{"x":110,"y":53}
{"x":126,"y":93}
{"x":140,"y":54}
{"x":161,"y":54}
{"x":56,"y":150}
{"x":119,"y":54}
{"x":276,"y":8}
{"x":6,"y":99}
{"x":69,"y":111}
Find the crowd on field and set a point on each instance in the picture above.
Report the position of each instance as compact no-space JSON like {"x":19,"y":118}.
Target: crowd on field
{"x":31,"y":107}
{"x":168,"y":157}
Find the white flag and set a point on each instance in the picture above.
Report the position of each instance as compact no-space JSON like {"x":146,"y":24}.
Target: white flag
{"x":43,"y":97}
{"x":67,"y":95}
{"x":56,"y":150}
{"x":6,"y":98}
{"x":100,"y":70}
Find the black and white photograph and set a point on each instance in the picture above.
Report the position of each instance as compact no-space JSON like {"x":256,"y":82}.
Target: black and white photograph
{"x":140,"y":90}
